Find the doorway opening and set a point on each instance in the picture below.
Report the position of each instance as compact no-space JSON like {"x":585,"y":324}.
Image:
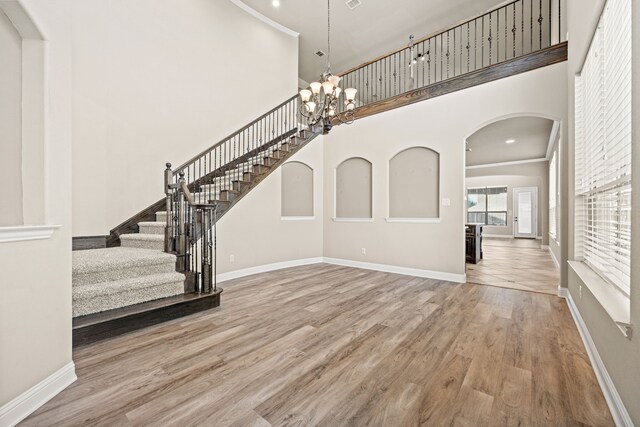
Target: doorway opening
{"x":508,"y":209}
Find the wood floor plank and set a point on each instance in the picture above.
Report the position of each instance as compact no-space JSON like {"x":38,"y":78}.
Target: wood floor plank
{"x":334,"y":346}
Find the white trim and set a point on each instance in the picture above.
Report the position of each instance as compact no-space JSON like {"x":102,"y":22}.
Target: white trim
{"x":616,"y":406}
{"x":352,"y":219}
{"x":552,"y":138}
{"x":553,"y":257}
{"x":297,"y":218}
{"x":415,"y":220}
{"x":26,"y":232}
{"x":28,"y":402}
{"x":223,"y":277}
{"x":563,"y":292}
{"x":408,"y":271}
{"x":516,"y":162}
{"x":496,"y":236}
{"x":264,"y":19}
{"x":614,"y":302}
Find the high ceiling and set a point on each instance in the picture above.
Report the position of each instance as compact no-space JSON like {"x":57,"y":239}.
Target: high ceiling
{"x":370,"y":30}
{"x":488,"y":145}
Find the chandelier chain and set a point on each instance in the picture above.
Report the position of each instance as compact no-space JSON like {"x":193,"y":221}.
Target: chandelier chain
{"x":329,"y":35}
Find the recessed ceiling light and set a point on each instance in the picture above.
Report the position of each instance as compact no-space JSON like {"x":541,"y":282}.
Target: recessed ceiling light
{"x":510,"y":141}
{"x":275,"y":3}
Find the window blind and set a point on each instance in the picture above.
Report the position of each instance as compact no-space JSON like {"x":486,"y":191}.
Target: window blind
{"x":603,"y":148}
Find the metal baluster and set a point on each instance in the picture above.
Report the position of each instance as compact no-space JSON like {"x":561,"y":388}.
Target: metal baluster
{"x":540,"y":20}
{"x":482,"y":63}
{"x":514,"y":30}
{"x":490,"y":38}
{"x":550,"y":20}
{"x":468,"y":49}
{"x":448,"y":32}
{"x":530,"y":28}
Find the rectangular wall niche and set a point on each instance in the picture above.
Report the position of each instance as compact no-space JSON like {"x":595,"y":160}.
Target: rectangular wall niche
{"x":297,"y":190}
{"x":353,"y":189}
{"x":414,"y":184}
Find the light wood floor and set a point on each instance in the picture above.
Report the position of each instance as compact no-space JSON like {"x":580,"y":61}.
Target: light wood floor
{"x":333,"y":346}
{"x":515,"y":264}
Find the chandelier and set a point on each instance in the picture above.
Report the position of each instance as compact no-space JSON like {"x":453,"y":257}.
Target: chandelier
{"x":320,"y":102}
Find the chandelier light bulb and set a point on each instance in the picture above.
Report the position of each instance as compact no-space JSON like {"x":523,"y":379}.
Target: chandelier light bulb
{"x":350,"y":93}
{"x":315,"y":87}
{"x":332,"y":112}
{"x":311,"y":106}
{"x":351,"y":106}
{"x":335,"y":80}
{"x":328,"y":87}
{"x":305,"y":95}
{"x":337,"y":91}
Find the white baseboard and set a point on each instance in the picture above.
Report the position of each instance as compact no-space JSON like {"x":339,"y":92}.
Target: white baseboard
{"x":498,"y":236}
{"x":618,"y":411}
{"x":28,"y":402}
{"x":553,"y":257}
{"x":437,"y":275}
{"x":563,"y":292}
{"x":223,"y":277}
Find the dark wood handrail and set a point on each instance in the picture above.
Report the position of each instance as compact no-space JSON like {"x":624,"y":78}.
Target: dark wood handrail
{"x":222,"y":141}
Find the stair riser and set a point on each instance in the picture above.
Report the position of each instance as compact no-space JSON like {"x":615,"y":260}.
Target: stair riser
{"x":95,"y":304}
{"x":122,"y":273}
{"x":142,"y":244}
{"x":145,"y":229}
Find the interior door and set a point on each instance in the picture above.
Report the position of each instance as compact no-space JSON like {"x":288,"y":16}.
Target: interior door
{"x":525,"y":213}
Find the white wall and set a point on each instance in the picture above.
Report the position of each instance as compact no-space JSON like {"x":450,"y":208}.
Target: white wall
{"x":441,"y":124}
{"x":255,"y":233}
{"x":10,"y":123}
{"x":620,"y":355}
{"x":35,"y":289}
{"x":158,"y":81}
{"x":514,"y":176}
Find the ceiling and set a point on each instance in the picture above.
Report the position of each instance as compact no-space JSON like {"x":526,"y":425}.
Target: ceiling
{"x":372,"y":29}
{"x":488,"y":145}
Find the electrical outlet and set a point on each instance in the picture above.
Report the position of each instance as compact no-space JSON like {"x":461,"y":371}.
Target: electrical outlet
{"x":580,"y":288}
{"x":364,"y":251}
{"x":232,"y":258}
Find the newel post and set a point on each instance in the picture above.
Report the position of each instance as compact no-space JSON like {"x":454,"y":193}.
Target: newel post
{"x":168,"y":191}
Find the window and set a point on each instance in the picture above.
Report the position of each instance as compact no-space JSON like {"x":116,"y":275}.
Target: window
{"x":603,"y":148}
{"x":553,"y":195}
{"x":487,"y":205}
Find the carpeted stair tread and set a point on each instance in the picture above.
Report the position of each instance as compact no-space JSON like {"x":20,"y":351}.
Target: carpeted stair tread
{"x":143,"y":241}
{"x":98,"y":260}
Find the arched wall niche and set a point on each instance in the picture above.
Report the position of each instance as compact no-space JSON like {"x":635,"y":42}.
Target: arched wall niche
{"x":354,"y":189}
{"x":297,"y":190}
{"x":414,"y":184}
{"x":25,"y":178}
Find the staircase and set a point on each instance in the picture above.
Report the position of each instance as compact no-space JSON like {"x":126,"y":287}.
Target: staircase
{"x":163,"y":266}
{"x":160,"y":263}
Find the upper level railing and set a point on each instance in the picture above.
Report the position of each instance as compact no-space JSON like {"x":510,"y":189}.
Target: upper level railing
{"x":510,"y":31}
